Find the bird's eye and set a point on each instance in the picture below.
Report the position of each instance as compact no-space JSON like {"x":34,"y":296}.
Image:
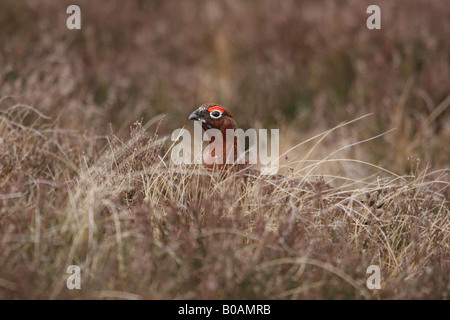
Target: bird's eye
{"x":215,"y":114}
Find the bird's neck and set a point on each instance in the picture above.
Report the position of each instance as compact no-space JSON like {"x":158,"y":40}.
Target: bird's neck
{"x":229,"y":145}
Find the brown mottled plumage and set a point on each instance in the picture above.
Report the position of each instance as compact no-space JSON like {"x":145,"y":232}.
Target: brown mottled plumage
{"x":215,"y":116}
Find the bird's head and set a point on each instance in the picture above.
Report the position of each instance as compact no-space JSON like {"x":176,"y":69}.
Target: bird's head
{"x":215,"y":116}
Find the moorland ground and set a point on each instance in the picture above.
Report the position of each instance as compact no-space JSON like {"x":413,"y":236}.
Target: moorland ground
{"x":85,"y":178}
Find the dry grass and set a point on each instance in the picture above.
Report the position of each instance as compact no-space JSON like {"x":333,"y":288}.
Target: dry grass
{"x":140,"y":227}
{"x":75,"y":191}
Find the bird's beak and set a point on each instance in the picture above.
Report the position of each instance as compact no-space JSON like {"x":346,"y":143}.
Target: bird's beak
{"x":194,"y":116}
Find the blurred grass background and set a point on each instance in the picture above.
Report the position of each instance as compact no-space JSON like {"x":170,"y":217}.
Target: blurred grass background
{"x":303,"y":67}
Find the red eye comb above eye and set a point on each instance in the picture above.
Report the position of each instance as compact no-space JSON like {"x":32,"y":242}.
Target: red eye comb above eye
{"x":214,"y":108}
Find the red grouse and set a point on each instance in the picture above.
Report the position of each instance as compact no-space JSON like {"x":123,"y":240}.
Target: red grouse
{"x":215,"y":116}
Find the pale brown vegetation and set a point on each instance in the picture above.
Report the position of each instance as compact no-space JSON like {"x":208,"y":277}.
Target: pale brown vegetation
{"x":74,"y":190}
